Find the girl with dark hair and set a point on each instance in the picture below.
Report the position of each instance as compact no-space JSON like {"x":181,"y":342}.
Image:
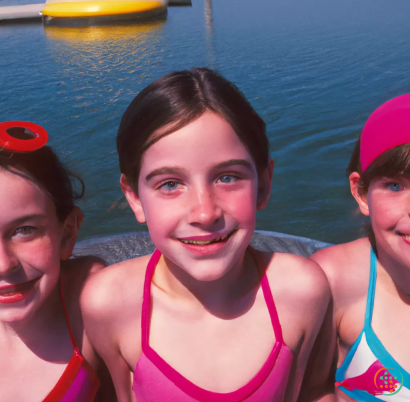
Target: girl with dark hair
{"x":44,"y":353}
{"x":205,"y":317}
{"x":370,"y":277}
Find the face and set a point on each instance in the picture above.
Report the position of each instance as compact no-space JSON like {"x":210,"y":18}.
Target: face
{"x":199,"y":192}
{"x":32,"y":241}
{"x":387,"y":202}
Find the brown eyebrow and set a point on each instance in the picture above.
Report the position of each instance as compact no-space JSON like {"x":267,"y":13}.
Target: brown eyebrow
{"x":178,"y":170}
{"x":28,"y":218}
{"x":233,"y":162}
{"x":164,"y":170}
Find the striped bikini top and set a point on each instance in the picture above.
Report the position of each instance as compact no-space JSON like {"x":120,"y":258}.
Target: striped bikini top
{"x":79,"y":382}
{"x":155,"y":380}
{"x":369,"y":373}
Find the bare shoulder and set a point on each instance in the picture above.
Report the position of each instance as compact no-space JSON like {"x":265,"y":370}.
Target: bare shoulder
{"x":347,"y":269}
{"x":74,"y":274}
{"x":301,"y":294}
{"x":342,"y":255}
{"x":300,"y":278}
{"x":115,"y":288}
{"x":345,"y":264}
{"x":75,"y":271}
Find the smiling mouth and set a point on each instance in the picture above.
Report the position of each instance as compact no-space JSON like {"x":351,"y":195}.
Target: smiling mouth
{"x":205,"y":242}
{"x":405,"y":236}
{"x":11,"y":290}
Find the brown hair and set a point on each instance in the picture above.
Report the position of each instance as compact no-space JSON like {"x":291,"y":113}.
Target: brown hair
{"x":392,"y":163}
{"x":43,"y":168}
{"x":177,"y":99}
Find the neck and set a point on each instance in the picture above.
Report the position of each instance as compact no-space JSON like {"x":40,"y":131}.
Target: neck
{"x":226,"y":297}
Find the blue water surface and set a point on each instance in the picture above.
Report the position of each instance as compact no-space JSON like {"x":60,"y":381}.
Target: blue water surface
{"x":314,"y":70}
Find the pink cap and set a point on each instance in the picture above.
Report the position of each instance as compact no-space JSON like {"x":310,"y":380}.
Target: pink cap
{"x":387,"y":127}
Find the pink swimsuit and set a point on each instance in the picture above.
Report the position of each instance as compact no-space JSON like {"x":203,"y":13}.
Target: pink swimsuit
{"x":155,"y":380}
{"x":79,"y":382}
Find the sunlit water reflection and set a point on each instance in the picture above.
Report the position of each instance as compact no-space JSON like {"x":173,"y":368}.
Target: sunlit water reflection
{"x":313,"y":70}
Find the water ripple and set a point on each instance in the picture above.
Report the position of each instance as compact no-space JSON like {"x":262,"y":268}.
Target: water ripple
{"x":313,"y":70}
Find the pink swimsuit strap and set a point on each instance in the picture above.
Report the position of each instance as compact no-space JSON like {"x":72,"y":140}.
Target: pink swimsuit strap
{"x":79,"y":382}
{"x":146,"y":305}
{"x":151,"y":368}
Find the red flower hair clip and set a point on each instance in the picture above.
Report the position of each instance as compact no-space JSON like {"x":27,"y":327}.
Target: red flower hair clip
{"x":22,"y":136}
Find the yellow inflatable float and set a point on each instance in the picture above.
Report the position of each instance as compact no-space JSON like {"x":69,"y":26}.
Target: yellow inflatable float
{"x":102,"y":9}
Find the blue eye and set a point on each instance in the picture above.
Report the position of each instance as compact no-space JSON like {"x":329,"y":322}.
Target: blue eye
{"x":226,"y":178}
{"x":170,"y":185}
{"x":394,"y":187}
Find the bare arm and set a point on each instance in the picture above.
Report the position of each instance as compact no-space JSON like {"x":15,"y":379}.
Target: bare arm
{"x":337,"y":264}
{"x":106,"y":392}
{"x":309,"y":305}
{"x":101,"y":309}
{"x":319,"y":379}
{"x":74,"y":274}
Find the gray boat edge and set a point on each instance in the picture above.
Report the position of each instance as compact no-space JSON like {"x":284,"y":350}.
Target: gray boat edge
{"x":115,"y":248}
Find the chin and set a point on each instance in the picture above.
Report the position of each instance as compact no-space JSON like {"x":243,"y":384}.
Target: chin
{"x":19,"y":312}
{"x":208,"y":276}
{"x":15,"y":315}
{"x":203,"y":271}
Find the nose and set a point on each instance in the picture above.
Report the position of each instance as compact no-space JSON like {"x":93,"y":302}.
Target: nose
{"x":203,"y":209}
{"x":8,"y":260}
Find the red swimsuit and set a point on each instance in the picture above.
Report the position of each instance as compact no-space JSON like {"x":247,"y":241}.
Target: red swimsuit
{"x":79,"y":382}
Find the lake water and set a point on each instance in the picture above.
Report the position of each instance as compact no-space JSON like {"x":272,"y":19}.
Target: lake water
{"x":314,"y":70}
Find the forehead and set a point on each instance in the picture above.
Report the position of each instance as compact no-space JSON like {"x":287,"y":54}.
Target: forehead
{"x":204,"y":142}
{"x":19,"y":197}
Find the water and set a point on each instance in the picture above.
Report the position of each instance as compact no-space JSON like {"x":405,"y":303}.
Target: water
{"x":314,"y":70}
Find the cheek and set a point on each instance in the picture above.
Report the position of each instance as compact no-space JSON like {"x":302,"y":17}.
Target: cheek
{"x":384,"y":213}
{"x":43,"y":256}
{"x":161,"y":217}
{"x":240,"y":204}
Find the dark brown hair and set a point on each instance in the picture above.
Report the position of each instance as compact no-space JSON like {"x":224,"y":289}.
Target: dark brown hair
{"x":393,"y":163}
{"x":177,"y":99}
{"x":43,"y":168}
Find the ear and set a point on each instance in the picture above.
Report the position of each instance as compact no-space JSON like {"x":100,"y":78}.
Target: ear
{"x":70,"y":230}
{"x":265,"y":185}
{"x":360,"y":197}
{"x":133,"y":199}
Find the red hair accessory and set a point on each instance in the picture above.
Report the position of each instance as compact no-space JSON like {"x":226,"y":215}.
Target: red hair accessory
{"x":14,"y":144}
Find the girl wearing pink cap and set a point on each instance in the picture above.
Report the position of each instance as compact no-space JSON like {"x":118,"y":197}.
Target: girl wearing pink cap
{"x":205,"y":317}
{"x":370,"y":277}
